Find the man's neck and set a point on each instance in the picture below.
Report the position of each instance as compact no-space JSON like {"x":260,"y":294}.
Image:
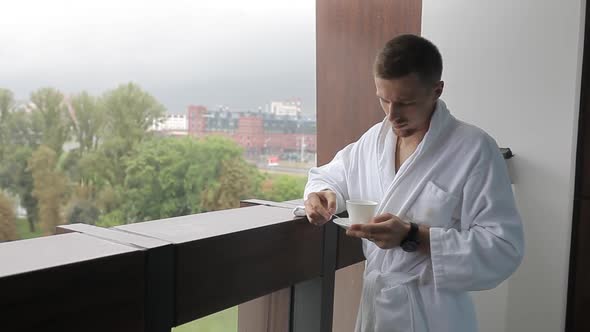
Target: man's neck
{"x":417,"y":137}
{"x":413,"y":140}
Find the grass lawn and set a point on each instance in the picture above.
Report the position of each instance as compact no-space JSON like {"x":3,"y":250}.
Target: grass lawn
{"x":223,"y":321}
{"x":22,"y":229}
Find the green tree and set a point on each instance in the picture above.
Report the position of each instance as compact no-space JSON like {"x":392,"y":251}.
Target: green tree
{"x":20,"y":134}
{"x":169,"y":177}
{"x":16,"y":178}
{"x":6,"y":102}
{"x":129,"y":112}
{"x":206,"y":169}
{"x":50,"y":188}
{"x":89,"y":121}
{"x":7,"y":219}
{"x":281,"y":188}
{"x":6,"y":105}
{"x":53,"y":117}
{"x":237,"y":180}
{"x":82,"y":211}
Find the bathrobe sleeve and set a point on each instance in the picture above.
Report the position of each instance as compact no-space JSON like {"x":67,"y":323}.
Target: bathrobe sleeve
{"x":489,"y":246}
{"x":332,"y":176}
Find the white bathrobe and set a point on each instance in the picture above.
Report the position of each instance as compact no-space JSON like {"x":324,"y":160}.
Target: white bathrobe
{"x":457,"y":182}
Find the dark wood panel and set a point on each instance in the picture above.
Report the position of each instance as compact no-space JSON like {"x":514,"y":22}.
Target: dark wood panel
{"x":220,"y":272}
{"x":583,"y":151}
{"x":350,"y":250}
{"x":269,"y":313}
{"x":105,"y":294}
{"x":347,"y":299}
{"x":579,"y":287}
{"x":228,"y":257}
{"x":159,"y":271}
{"x":194,"y":227}
{"x":349,"y":34}
{"x":578,"y":300}
{"x":583,"y":160}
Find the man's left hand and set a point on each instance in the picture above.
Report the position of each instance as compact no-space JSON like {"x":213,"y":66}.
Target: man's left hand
{"x":386,"y":230}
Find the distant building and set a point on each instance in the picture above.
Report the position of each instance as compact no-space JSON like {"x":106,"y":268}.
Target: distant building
{"x":258,"y":132}
{"x":196,"y":119}
{"x":286,"y":108}
{"x":171,"y":124}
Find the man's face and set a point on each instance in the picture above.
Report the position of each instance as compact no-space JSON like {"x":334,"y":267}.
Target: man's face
{"x":408,"y":102}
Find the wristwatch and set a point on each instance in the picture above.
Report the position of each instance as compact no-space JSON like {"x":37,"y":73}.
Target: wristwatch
{"x":411,"y":242}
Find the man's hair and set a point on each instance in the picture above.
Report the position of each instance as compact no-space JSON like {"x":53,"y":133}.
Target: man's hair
{"x":408,"y":54}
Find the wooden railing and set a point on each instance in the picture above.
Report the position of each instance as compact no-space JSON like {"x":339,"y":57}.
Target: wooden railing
{"x":156,"y":275}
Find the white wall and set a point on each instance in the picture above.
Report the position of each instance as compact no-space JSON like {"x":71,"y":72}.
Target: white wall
{"x":513,"y":69}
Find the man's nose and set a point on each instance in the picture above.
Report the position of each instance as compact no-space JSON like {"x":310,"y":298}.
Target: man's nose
{"x":393,"y":112}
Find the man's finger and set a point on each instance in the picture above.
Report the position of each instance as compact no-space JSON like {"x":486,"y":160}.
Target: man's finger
{"x":361,"y":230}
{"x":365,"y":234}
{"x":356,"y":233}
{"x":370,"y":229}
{"x":314,"y":204}
{"x":310,"y":209}
{"x":329,"y":198}
{"x":323,"y":208}
{"x":382,"y":218}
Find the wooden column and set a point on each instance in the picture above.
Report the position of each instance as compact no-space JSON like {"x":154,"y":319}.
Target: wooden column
{"x":349,"y":33}
{"x":577,"y":319}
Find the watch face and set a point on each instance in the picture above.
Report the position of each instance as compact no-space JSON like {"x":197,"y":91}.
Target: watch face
{"x":410,"y":246}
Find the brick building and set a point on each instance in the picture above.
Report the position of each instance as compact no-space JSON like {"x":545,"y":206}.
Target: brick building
{"x":257,"y":132}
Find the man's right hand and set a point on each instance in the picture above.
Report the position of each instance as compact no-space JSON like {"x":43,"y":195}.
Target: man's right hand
{"x":320,"y":206}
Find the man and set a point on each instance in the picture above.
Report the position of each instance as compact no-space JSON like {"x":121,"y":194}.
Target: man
{"x":446,"y":223}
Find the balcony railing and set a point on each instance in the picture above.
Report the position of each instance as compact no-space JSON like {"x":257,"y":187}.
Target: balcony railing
{"x":156,"y":275}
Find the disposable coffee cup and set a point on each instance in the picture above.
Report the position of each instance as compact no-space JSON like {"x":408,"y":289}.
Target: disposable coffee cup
{"x":360,"y":211}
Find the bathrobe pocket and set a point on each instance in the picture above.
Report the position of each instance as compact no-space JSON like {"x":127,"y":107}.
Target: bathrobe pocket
{"x":391,"y":302}
{"x":433,"y":206}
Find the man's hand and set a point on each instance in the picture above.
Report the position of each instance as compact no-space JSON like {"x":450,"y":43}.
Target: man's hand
{"x":320,"y":206}
{"x":386,"y":230}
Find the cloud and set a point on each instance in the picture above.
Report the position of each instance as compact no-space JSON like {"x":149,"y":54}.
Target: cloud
{"x":241,"y":53}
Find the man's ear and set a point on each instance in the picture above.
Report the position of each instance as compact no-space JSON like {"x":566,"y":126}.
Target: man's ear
{"x":438,"y":89}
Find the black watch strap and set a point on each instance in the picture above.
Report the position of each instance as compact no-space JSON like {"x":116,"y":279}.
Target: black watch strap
{"x":411,"y":242}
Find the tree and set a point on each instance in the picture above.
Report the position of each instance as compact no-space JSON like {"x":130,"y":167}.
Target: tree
{"x":82,"y":211}
{"x":16,"y":178}
{"x":236,"y":182}
{"x":281,"y":188}
{"x":53,"y":117}
{"x":129,"y":113}
{"x":169,"y":177}
{"x":210,"y":166}
{"x":20,"y":134}
{"x":89,"y":121}
{"x":6,"y":103}
{"x":50,"y":188}
{"x":22,"y":129}
{"x":7,"y":219}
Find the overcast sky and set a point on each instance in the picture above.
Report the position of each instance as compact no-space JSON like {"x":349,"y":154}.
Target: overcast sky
{"x":238,"y":53}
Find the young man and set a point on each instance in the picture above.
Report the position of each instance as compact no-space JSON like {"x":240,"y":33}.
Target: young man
{"x":446,"y":223}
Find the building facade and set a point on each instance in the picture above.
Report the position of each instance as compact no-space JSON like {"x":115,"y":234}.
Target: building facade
{"x":257,"y":132}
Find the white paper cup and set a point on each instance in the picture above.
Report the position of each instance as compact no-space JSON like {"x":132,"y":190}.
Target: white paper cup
{"x":360,"y":211}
